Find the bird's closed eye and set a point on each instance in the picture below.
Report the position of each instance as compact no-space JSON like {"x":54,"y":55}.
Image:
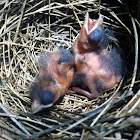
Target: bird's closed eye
{"x":96,"y":36}
{"x":46,"y":97}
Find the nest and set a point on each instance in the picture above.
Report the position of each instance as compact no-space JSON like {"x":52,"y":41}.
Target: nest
{"x":30,"y":27}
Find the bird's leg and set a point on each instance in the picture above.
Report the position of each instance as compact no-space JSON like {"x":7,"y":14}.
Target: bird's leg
{"x":84,"y":92}
{"x":92,"y":88}
{"x":93,"y":92}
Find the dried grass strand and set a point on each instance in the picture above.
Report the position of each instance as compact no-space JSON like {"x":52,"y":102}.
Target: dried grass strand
{"x":14,"y":120}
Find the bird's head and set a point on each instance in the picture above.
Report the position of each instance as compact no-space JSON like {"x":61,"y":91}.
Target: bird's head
{"x":91,"y":34}
{"x":44,"y":100}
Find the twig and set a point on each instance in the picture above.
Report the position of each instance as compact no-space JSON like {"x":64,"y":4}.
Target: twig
{"x":12,"y":130}
{"x":14,"y":120}
{"x":136,"y":53}
{"x":45,"y":8}
{"x":19,"y":23}
{"x":135,"y":68}
{"x":49,"y":129}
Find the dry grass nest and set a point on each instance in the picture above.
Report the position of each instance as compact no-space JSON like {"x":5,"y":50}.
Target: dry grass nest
{"x":29,"y":27}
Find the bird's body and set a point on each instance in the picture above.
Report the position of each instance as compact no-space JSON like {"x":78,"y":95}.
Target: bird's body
{"x":53,"y":80}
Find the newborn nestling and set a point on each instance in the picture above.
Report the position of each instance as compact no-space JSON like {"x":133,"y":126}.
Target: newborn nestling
{"x":96,"y":68}
{"x":53,"y":80}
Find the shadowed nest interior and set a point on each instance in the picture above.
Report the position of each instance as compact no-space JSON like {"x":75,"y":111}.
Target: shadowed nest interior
{"x":29,"y":27}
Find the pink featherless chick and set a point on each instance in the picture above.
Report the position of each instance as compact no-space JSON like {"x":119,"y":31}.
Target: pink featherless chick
{"x":96,"y":68}
{"x":56,"y":70}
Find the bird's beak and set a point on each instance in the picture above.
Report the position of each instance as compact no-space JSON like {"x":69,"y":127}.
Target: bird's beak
{"x":36,"y":106}
{"x":90,"y":25}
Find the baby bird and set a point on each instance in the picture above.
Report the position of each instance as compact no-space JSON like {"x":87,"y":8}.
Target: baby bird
{"x":53,"y":80}
{"x":97,"y":68}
